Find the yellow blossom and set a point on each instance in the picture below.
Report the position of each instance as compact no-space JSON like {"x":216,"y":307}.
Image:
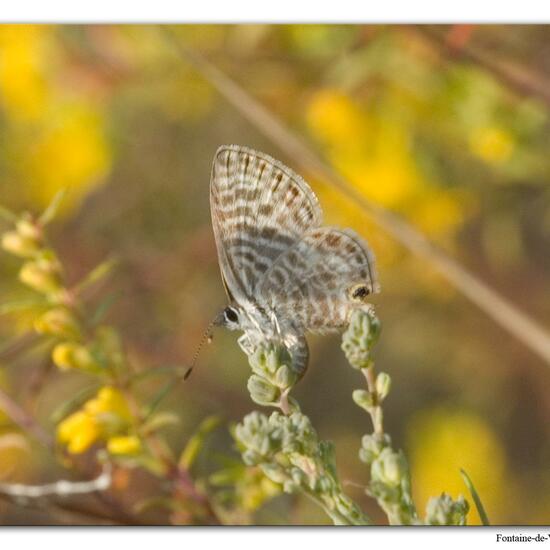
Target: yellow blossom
{"x":493,"y":145}
{"x":70,"y":355}
{"x":256,"y":488}
{"x":377,"y":156}
{"x":335,"y":118}
{"x":438,"y":211}
{"x":70,"y":152}
{"x":109,"y":400}
{"x":58,"y":322}
{"x":26,"y":57}
{"x":124,"y":445}
{"x":79,"y":431}
{"x":441,"y":442}
{"x":106,"y":417}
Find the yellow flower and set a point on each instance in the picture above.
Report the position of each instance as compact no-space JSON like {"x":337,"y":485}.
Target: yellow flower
{"x":70,"y":152}
{"x":26,"y":55}
{"x":70,"y":355}
{"x":112,"y":401}
{"x":438,"y":211}
{"x":335,"y":118}
{"x":58,"y":322}
{"x":106,"y":417}
{"x":255,"y":489}
{"x":124,"y":445}
{"x":377,"y":156}
{"x":79,"y":431}
{"x":20,"y":245}
{"x":493,"y":145}
{"x":41,"y":275}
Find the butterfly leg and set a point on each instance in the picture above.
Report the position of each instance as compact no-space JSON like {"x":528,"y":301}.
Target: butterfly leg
{"x":367,"y":308}
{"x":246,"y":344}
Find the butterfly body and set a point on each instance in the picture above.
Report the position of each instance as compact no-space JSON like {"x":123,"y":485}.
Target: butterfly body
{"x":284,"y":272}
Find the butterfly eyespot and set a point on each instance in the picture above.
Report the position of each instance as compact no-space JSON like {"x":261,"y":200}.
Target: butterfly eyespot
{"x":359,"y":292}
{"x":231,"y":315}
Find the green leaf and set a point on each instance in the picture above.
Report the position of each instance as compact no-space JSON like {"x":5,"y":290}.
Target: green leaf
{"x":155,"y":402}
{"x":102,"y":309}
{"x":49,"y":214}
{"x":479,"y":506}
{"x":227,"y":476}
{"x":99,"y":272}
{"x":196,"y":442}
{"x":158,"y":421}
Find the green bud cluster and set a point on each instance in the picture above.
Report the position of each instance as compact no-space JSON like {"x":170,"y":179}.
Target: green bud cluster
{"x":390,"y":483}
{"x":443,"y":510}
{"x":360,"y":337}
{"x":389,"y":472}
{"x":264,"y":437}
{"x":372,"y":445}
{"x":272,"y":377}
{"x":289,"y":452}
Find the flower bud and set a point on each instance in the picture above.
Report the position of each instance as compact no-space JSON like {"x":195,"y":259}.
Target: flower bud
{"x":41,"y":275}
{"x":366,"y":456}
{"x":26,"y":228}
{"x":298,"y":476}
{"x":289,"y":486}
{"x":389,"y":468}
{"x":19,"y":245}
{"x":251,"y":457}
{"x":124,"y":445}
{"x":359,"y":338}
{"x":274,"y":472}
{"x":363,"y":399}
{"x":285,"y":377}
{"x":443,"y":510}
{"x":372,"y":445}
{"x":346,"y":506}
{"x":70,"y":355}
{"x":383,"y":385}
{"x":58,"y":322}
{"x":324,"y":484}
{"x":261,"y":391}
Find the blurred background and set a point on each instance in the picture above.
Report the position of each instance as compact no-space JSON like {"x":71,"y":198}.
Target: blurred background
{"x":446,"y":125}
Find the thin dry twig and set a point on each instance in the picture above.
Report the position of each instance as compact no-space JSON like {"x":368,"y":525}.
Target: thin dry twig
{"x":24,"y":420}
{"x":497,"y":307}
{"x":60,"y":488}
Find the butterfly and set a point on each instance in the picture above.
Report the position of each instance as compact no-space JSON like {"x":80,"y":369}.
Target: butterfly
{"x":283,"y":271}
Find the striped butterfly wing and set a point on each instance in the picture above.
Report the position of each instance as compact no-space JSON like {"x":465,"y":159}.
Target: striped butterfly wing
{"x":260,"y":209}
{"x":319,"y":280}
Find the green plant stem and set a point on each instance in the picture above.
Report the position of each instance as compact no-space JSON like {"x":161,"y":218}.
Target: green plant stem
{"x":376,"y":413}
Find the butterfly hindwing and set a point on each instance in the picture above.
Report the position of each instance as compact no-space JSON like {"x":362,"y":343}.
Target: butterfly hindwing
{"x":320,"y":279}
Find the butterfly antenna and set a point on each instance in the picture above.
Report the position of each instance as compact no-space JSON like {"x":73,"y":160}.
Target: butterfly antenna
{"x":206,"y":337}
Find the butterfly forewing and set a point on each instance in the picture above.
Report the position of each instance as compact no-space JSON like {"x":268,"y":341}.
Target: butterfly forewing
{"x":313,"y":282}
{"x":260,"y":209}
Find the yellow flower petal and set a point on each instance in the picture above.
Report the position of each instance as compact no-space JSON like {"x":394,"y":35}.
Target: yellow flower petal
{"x":78,"y":431}
{"x":124,"y":445}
